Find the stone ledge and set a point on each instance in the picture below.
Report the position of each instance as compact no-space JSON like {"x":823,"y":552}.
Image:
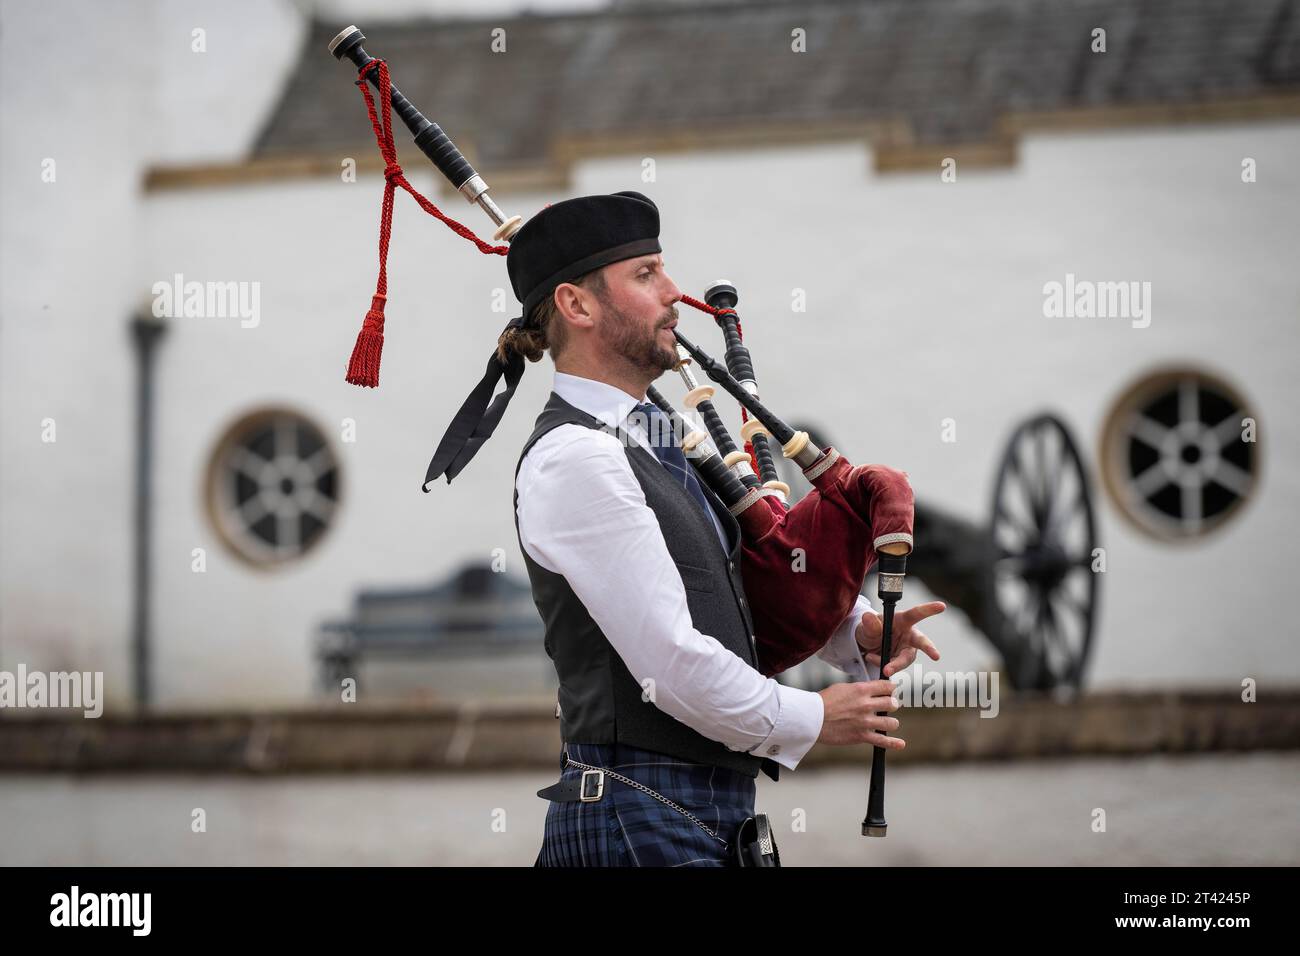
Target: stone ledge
{"x":525,"y":734}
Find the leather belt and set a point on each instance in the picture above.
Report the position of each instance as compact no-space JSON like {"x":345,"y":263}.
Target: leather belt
{"x":755,"y":844}
{"x":588,"y":788}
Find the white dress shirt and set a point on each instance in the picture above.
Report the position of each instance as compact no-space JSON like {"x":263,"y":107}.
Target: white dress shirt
{"x":582,"y":514}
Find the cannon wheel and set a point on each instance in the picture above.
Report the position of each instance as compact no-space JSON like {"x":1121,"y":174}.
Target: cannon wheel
{"x":1043,"y":533}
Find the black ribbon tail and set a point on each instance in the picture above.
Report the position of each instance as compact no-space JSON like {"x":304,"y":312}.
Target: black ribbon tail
{"x":476,"y":421}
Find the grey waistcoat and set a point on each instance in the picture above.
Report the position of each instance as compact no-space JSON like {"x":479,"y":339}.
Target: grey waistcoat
{"x":600,"y":701}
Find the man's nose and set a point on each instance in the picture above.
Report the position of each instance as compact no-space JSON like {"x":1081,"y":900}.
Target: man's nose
{"x":674,"y":292}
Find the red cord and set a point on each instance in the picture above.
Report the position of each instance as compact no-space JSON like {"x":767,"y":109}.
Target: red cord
{"x":363,"y":367}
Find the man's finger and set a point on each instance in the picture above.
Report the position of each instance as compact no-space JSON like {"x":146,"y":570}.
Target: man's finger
{"x":920,"y":612}
{"x":882,"y":705}
{"x":915,"y":638}
{"x":904,"y":659}
{"x":878,"y":688}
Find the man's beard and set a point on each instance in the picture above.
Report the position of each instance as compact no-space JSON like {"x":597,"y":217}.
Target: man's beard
{"x":639,"y":346}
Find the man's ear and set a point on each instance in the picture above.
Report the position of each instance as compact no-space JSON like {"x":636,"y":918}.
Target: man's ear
{"x":573,"y":305}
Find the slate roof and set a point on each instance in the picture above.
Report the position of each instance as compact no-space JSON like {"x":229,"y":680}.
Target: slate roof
{"x":947,"y":67}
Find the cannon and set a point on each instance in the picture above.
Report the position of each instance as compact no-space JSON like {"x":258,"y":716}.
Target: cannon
{"x":1025,"y":580}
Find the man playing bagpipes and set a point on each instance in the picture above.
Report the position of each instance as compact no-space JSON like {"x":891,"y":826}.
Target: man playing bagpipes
{"x":635,"y":568}
{"x":667,"y":702}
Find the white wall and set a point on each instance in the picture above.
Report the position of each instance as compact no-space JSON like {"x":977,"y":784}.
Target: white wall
{"x":924,"y":302}
{"x":105,"y":90}
{"x":935,"y":302}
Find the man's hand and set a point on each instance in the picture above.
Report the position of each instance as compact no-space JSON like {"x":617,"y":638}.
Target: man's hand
{"x":903,"y":643}
{"x":851,"y":711}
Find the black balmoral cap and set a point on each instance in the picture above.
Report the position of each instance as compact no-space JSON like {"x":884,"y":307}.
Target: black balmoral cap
{"x":571,"y":238}
{"x":562,"y":242}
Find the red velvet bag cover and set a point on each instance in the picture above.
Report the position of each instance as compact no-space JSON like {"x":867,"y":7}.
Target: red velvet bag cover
{"x":795,"y":612}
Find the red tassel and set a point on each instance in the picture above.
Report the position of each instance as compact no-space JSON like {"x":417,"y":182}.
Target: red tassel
{"x":363,"y":369}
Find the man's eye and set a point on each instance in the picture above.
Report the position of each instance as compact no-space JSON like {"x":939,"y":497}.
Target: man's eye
{"x":644,"y":275}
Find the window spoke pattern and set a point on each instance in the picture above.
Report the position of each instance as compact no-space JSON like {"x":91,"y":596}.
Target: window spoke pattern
{"x":1175,"y":454}
{"x":273,"y":486}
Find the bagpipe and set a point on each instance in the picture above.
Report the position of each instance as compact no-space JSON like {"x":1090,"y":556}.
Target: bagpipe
{"x":803,"y":564}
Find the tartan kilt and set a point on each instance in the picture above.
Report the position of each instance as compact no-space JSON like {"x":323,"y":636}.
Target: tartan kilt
{"x":628,"y":827}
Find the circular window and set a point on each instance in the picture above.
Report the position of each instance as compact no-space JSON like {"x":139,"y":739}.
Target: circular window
{"x":273,"y":486}
{"x":1178,"y":453}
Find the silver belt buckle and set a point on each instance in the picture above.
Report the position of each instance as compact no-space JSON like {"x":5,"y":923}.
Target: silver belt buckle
{"x":600,"y":786}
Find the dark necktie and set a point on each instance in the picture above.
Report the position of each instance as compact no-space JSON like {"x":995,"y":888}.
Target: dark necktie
{"x":667,"y":448}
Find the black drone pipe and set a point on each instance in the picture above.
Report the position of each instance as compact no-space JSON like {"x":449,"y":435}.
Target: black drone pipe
{"x":722,"y":295}
{"x":429,"y":137}
{"x":795,"y":444}
{"x":704,"y":456}
{"x":701,"y":398}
